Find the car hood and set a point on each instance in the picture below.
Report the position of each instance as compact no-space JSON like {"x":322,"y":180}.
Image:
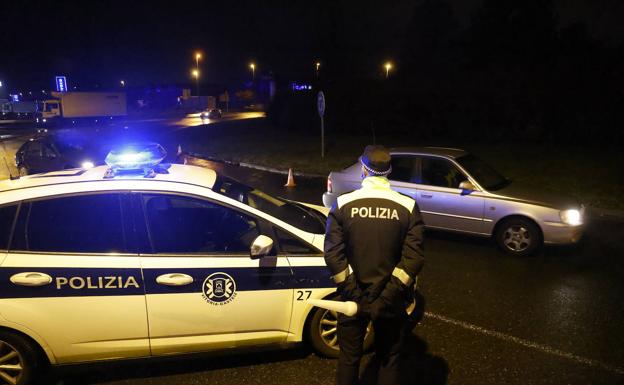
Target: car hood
{"x":536,"y":195}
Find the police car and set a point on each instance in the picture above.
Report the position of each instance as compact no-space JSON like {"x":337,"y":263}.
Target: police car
{"x":139,"y":258}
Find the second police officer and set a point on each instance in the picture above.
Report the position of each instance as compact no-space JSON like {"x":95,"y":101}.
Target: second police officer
{"x":374,"y":249}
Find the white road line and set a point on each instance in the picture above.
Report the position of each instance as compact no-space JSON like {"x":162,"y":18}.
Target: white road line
{"x":527,"y":343}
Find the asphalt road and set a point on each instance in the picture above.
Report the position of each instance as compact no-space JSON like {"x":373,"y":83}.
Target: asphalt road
{"x":556,"y":318}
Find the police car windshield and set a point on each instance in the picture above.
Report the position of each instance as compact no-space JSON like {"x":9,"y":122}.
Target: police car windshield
{"x":300,"y":216}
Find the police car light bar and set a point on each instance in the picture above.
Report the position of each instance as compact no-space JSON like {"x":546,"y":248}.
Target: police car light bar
{"x":135,"y":158}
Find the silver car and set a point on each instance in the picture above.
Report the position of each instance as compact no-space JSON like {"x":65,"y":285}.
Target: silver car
{"x":456,"y":191}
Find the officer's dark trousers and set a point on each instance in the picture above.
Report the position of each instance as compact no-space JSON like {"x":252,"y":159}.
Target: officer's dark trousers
{"x":390,"y":334}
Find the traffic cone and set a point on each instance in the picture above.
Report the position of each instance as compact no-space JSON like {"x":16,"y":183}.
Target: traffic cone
{"x":291,"y":180}
{"x":180,"y":156}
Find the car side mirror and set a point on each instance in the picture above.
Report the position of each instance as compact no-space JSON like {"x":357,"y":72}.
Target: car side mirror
{"x":466,"y":187}
{"x":260,"y":247}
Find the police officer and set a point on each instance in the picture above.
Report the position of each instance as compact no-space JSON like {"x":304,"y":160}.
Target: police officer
{"x":374,"y":249}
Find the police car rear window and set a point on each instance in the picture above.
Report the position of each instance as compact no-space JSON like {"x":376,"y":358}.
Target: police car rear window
{"x":7,"y":215}
{"x":74,"y":224}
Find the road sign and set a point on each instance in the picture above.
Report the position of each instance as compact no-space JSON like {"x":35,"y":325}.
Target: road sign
{"x":320,"y":106}
{"x":61,"y":84}
{"x":320,"y":103}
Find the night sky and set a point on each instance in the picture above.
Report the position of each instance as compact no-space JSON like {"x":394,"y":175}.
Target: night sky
{"x":101,"y":42}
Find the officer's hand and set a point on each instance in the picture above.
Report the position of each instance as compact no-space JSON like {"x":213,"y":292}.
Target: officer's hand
{"x":349,"y":289}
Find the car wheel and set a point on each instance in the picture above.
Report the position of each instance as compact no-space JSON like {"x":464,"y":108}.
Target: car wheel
{"x":18,"y":360}
{"x":323,"y":333}
{"x":518,"y":236}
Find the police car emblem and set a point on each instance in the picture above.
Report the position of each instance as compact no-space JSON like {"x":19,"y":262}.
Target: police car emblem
{"x":219,"y":289}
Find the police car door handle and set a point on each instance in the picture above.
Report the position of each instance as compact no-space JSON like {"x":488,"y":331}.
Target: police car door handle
{"x":31,"y":278}
{"x":423,"y":195}
{"x":174,"y":279}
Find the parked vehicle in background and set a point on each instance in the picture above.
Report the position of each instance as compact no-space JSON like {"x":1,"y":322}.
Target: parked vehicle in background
{"x":52,"y":152}
{"x":456,"y":191}
{"x":212,"y":113}
{"x":26,"y":109}
{"x":80,"y":106}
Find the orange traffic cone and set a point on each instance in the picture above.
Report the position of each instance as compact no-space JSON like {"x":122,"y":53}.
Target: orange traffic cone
{"x":291,"y":180}
{"x":180,"y":156}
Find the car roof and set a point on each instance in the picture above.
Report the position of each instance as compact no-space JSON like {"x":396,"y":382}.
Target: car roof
{"x":441,"y":151}
{"x":200,"y":176}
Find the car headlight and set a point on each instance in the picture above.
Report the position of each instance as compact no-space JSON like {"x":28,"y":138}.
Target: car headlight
{"x":87,"y":164}
{"x":571,"y":217}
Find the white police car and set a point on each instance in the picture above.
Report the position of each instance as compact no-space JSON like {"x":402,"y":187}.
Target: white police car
{"x":109,"y":263}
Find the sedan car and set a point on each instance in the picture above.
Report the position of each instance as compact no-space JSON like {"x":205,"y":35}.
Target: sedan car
{"x":52,"y":152}
{"x":140,"y":259}
{"x":213,"y":113}
{"x":456,"y":191}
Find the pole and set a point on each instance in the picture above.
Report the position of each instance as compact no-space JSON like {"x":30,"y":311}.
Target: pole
{"x":322,"y":138}
{"x":197,"y":77}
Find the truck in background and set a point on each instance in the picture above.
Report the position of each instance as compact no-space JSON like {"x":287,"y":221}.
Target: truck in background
{"x":26,"y":109}
{"x":81,"y":106}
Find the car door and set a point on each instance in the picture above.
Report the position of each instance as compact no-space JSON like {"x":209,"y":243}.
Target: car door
{"x":70,"y":277}
{"x":405,"y":174}
{"x":203,"y":289}
{"x":442,"y":203}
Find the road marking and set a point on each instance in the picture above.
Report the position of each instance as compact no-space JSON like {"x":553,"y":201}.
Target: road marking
{"x":527,"y":343}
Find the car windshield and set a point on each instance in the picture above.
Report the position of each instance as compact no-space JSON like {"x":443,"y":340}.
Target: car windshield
{"x":69,"y":142}
{"x":298,"y":215}
{"x":484,"y":174}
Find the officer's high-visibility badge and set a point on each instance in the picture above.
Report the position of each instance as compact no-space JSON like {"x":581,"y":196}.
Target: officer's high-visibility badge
{"x":219,"y":289}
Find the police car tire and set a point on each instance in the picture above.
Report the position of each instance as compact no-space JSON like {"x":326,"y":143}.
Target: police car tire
{"x":535,"y":235}
{"x":28,"y":353}
{"x":314,"y":336}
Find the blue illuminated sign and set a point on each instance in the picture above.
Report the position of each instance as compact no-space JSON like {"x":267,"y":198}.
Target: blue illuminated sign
{"x":61,"y":84}
{"x":300,"y":87}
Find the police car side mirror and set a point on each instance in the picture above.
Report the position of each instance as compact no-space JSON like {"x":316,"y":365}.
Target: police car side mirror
{"x":261,"y":247}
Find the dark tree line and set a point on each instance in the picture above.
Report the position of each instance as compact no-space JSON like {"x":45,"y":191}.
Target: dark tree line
{"x":510,"y":74}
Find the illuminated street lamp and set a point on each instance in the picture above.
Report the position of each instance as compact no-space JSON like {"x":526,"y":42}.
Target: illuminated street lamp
{"x":318,"y":66}
{"x":253,"y":70}
{"x":388,"y":67}
{"x":123,"y":83}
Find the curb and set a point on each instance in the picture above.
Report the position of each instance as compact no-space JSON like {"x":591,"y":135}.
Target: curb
{"x":606,"y":213}
{"x":255,"y":166}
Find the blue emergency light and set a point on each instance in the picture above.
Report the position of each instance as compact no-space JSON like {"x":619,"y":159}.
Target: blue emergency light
{"x":135,"y":158}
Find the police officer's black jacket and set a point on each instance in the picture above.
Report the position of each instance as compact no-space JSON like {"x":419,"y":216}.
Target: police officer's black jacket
{"x":376,"y":231}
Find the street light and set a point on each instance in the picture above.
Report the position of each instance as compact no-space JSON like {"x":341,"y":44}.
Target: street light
{"x":318,"y":66}
{"x":388,"y":67}
{"x":123,"y":83}
{"x":253,"y":71}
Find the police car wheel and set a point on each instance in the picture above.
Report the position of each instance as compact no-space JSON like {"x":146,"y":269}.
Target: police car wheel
{"x":323,"y":333}
{"x":18,"y":360}
{"x":518,"y":236}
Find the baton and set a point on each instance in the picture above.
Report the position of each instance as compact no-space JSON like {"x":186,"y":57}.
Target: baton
{"x":348,"y":308}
